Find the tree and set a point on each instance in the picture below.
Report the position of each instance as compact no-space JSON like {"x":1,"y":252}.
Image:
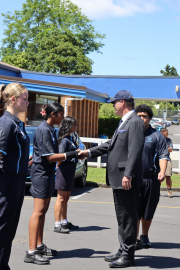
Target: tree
{"x":151,"y":104}
{"x":55,"y":53}
{"x":107,"y":110}
{"x":169,"y":71}
{"x":51,"y":22}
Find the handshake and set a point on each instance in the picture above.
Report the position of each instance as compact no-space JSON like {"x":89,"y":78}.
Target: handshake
{"x":80,"y":154}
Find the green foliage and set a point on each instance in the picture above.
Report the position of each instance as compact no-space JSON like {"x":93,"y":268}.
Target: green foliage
{"x":170,"y":106}
{"x":46,"y":30}
{"x":53,"y":53}
{"x":107,"y":125}
{"x":169,"y":71}
{"x":106,"y":110}
{"x":151,"y":104}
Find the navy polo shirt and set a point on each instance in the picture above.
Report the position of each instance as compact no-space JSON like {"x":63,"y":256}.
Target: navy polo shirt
{"x":155,"y":149}
{"x":67,"y":145}
{"x":14,"y":145}
{"x":44,"y":143}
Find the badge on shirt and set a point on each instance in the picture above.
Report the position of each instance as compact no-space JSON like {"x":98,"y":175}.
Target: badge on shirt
{"x":121,"y":131}
{"x":53,"y":139}
{"x":24,"y":136}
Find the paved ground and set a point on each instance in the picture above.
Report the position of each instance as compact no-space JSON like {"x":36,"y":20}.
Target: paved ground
{"x":84,"y":249}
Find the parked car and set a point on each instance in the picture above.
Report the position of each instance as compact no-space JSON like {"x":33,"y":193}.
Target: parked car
{"x":81,"y":166}
{"x":168,"y":123}
{"x":155,"y":125}
{"x":175,"y":121}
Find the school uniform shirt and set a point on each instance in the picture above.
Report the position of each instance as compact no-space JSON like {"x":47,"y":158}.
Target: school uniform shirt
{"x":67,"y":145}
{"x":14,"y":145}
{"x":66,"y":171}
{"x":155,"y":149}
{"x":169,"y":145}
{"x":42,"y":171}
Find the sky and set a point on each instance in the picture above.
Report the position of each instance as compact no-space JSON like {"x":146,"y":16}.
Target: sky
{"x":142,"y":36}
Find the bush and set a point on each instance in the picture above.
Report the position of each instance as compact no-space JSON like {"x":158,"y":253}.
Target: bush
{"x":107,"y":125}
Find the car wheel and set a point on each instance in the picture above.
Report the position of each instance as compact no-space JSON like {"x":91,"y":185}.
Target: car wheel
{"x":81,"y":181}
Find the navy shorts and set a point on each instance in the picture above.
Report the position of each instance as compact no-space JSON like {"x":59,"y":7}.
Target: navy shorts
{"x":148,"y":197}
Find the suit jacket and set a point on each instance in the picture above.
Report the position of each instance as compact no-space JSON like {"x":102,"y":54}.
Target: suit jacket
{"x":124,"y":155}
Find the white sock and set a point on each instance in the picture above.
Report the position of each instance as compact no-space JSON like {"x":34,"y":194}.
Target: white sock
{"x":40,"y":245}
{"x":57,"y":223}
{"x":64,"y":221}
{"x":31,"y":251}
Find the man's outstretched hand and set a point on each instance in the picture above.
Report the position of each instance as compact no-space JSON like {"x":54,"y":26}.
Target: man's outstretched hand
{"x":83,"y":154}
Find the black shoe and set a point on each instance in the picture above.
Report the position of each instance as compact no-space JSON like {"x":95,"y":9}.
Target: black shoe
{"x":121,"y":263}
{"x":36,"y":258}
{"x":113,"y":258}
{"x":145,"y":241}
{"x":138,"y":245}
{"x":62,"y":229}
{"x":44,"y":250}
{"x":72,"y":227}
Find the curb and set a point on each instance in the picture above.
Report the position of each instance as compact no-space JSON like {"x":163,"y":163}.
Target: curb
{"x":102,"y":185}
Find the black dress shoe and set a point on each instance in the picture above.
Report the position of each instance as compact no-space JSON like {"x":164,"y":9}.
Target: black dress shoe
{"x":138,"y":245}
{"x":72,"y":227}
{"x":36,"y":258}
{"x":121,"y":263}
{"x":44,"y":250}
{"x":145,"y":241}
{"x":113,"y":258}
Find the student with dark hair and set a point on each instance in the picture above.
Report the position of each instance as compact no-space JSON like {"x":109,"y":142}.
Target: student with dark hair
{"x":65,"y":175}
{"x":45,"y":156}
{"x":168,"y":173}
{"x":154,"y":162}
{"x":14,"y":157}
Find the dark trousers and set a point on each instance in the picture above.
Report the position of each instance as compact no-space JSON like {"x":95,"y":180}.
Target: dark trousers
{"x":11,"y":199}
{"x":125,"y":205}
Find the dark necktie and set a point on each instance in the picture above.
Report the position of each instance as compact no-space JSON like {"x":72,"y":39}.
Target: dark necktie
{"x":116,"y":132}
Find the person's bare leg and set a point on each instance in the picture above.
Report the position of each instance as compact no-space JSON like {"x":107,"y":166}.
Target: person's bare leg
{"x":138,"y":224}
{"x":34,"y":222}
{"x":58,"y":205}
{"x":64,"y":210}
{"x":145,"y":226}
{"x":41,"y":225}
{"x":168,"y":182}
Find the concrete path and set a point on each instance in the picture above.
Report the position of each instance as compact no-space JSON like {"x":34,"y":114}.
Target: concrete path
{"x":93,"y":210}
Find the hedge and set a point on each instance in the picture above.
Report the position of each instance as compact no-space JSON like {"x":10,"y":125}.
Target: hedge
{"x":107,"y":125}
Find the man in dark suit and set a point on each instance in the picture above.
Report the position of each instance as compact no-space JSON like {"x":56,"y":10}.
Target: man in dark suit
{"x":124,"y":174}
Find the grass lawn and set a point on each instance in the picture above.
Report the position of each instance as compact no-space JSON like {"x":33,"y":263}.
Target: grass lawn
{"x":98,"y":175}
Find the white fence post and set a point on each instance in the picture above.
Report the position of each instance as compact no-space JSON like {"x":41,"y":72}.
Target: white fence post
{"x":179,"y":161}
{"x":99,"y":158}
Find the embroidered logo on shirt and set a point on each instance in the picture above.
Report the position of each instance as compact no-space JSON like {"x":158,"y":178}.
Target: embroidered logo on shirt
{"x":149,"y":139}
{"x":121,"y":131}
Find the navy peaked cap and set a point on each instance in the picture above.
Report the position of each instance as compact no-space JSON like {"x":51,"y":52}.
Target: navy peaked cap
{"x":122,"y":94}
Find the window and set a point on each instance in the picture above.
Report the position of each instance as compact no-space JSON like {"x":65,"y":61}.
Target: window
{"x":42,"y":99}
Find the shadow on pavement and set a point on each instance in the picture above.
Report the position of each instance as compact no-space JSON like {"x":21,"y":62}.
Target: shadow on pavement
{"x":157,"y":262}
{"x":91,"y":228}
{"x":164,"y":245}
{"x":79,"y":253}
